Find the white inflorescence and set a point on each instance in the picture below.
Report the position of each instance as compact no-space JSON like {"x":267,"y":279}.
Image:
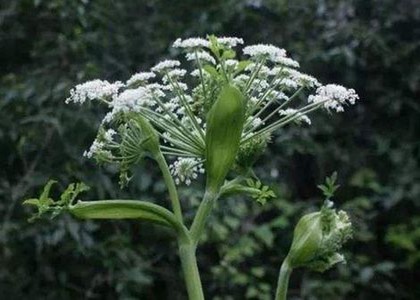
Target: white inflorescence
{"x":186,"y":169}
{"x":95,"y":89}
{"x":270,"y":52}
{"x":175,"y":98}
{"x":141,"y":77}
{"x":191,"y":43}
{"x":95,"y":148}
{"x":165,"y":65}
{"x":230,"y":41}
{"x":334,"y":96}
{"x":202,"y":56}
{"x":299,"y":117}
{"x":130,"y":101}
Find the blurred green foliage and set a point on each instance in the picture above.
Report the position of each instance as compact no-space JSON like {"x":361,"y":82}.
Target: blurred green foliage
{"x":47,"y":46}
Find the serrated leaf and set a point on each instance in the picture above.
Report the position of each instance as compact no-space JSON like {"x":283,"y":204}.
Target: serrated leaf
{"x":31,"y":201}
{"x":44,"y":198}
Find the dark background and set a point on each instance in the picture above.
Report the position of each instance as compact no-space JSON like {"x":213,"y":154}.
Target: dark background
{"x":46,"y":47}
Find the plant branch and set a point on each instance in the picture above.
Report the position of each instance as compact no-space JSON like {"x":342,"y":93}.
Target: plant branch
{"x":283,"y":280}
{"x":170,"y":184}
{"x":202,"y":215}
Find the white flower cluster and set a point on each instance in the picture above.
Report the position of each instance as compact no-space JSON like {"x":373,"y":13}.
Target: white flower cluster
{"x":269,"y":52}
{"x":95,"y":148}
{"x":191,"y":43}
{"x":141,"y":77}
{"x":131,"y":100}
{"x":186,"y":169}
{"x":230,"y":41}
{"x":165,"y":66}
{"x":334,"y":96}
{"x":95,"y":89}
{"x":299,"y":117}
{"x":175,"y":100}
{"x":196,"y":43}
{"x":202,"y":56}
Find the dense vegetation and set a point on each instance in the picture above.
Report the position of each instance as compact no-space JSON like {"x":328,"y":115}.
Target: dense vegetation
{"x":46,"y":47}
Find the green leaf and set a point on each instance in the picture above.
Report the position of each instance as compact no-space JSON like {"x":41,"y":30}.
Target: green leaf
{"x":214,"y":46}
{"x":32,"y":201}
{"x":242,"y":65}
{"x":211,"y":70}
{"x":45,"y":204}
{"x":228,"y":54}
{"x":72,"y":191}
{"x":44,"y":199}
{"x":329,"y":188}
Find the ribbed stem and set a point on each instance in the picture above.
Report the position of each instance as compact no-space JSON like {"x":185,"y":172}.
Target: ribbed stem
{"x":283,"y":281}
{"x":202,"y":215}
{"x":190,"y":270}
{"x":170,"y":184}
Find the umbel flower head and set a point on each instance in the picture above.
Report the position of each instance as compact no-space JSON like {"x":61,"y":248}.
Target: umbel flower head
{"x":177,"y":97}
{"x":318,"y":238}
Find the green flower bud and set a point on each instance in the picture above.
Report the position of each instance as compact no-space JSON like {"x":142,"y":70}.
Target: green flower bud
{"x":138,"y":138}
{"x":318,"y":237}
{"x":250,"y":151}
{"x":225,"y":123}
{"x":150,"y":138}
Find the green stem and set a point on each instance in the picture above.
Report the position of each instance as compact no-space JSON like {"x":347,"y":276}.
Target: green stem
{"x":283,"y":281}
{"x":202,"y":215}
{"x":170,"y":184}
{"x":190,"y":270}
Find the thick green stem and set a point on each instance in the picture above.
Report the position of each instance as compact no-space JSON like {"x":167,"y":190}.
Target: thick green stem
{"x":283,"y":281}
{"x":202,"y":215}
{"x":170,"y":184}
{"x":190,"y":270}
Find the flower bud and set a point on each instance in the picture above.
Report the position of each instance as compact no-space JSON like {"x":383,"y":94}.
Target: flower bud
{"x":138,"y":138}
{"x":225,"y":122}
{"x":318,"y":237}
{"x":150,"y":137}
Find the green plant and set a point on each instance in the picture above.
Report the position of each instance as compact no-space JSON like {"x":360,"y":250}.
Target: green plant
{"x":216,"y":121}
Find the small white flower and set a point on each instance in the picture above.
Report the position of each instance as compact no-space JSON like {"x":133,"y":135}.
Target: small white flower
{"x":202,"y":56}
{"x":109,"y":135}
{"x":286,"y":61}
{"x":230,"y":41}
{"x":191,"y":43}
{"x":196,"y":73}
{"x":130,"y":100}
{"x":287,"y":82}
{"x":254,"y":122}
{"x":262,"y":70}
{"x":179,"y":85}
{"x":334,"y":96}
{"x":173,"y":75}
{"x":141,"y":77}
{"x":186,"y":169}
{"x":303,"y":79}
{"x":270,"y":52}
{"x":94,"y":149}
{"x":177,"y":73}
{"x":165,"y":65}
{"x":297,"y":116}
{"x":95,"y":89}
{"x":231,"y":63}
